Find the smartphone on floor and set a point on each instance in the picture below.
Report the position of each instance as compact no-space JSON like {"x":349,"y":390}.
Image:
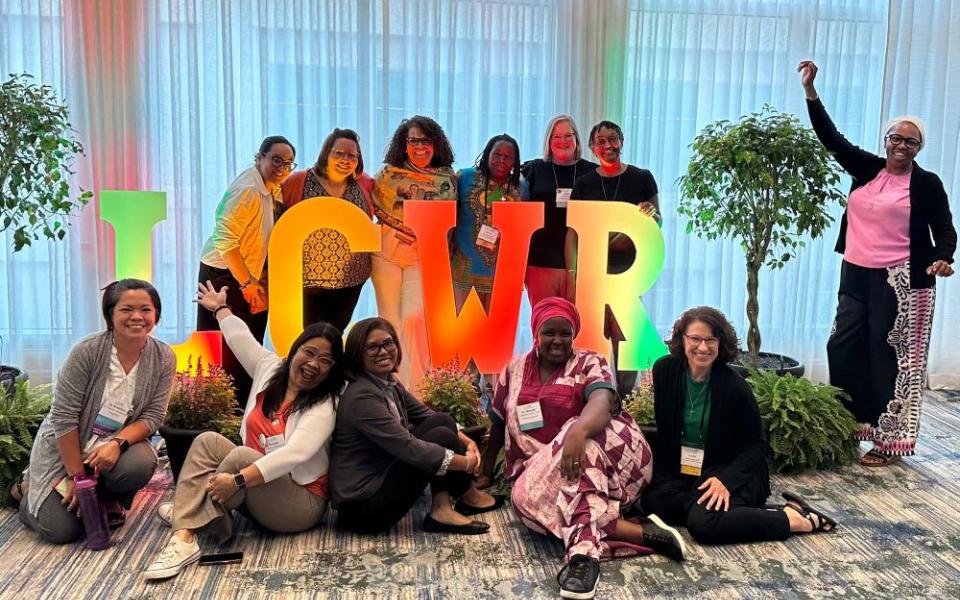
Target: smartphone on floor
{"x":224,"y":558}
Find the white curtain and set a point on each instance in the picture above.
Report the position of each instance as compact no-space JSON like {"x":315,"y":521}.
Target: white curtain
{"x":175,"y":95}
{"x":921,"y":78}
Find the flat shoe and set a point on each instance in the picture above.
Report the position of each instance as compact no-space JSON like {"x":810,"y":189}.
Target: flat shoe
{"x":467,"y":510}
{"x":472,"y":528}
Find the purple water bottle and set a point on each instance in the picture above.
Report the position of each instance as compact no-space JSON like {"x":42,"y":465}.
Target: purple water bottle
{"x":92,"y":513}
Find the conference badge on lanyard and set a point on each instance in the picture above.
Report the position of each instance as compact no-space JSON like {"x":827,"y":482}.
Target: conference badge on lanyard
{"x":488,"y":237}
{"x":691,"y":460}
{"x":563,"y":196}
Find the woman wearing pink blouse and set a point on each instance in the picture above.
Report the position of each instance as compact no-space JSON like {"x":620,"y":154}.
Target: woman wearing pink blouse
{"x":878,"y":349}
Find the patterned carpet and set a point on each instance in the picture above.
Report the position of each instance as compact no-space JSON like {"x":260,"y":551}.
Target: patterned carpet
{"x":899,"y":538}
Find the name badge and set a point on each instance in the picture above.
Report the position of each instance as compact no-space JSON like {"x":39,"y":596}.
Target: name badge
{"x":530,"y":416}
{"x":269,"y":444}
{"x":113,"y":414}
{"x":691,"y":460}
{"x":488,"y":237}
{"x":563,"y":196}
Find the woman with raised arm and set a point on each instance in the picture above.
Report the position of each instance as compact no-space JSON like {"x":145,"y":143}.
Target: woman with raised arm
{"x":896,"y":238}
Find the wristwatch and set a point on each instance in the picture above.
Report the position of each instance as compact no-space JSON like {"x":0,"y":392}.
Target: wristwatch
{"x":124,"y":444}
{"x":240,"y":481}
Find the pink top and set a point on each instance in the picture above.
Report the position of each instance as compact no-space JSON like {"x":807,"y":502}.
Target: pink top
{"x":878,"y":222}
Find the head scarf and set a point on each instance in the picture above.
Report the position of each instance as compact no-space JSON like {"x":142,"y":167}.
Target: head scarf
{"x":548,"y":308}
{"x":915,"y":121}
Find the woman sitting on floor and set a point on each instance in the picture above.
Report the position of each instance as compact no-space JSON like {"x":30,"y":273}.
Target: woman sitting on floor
{"x":111,"y":394}
{"x":388,"y":446}
{"x":575,"y":459}
{"x":279,"y":476}
{"x":710,"y":472}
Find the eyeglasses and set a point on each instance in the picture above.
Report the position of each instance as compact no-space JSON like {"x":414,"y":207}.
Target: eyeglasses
{"x":344,"y":155}
{"x":374,"y":349}
{"x":909,"y":142}
{"x":311,"y":355}
{"x":506,"y":159}
{"x":287,"y":165}
{"x":696,"y":340}
{"x":424,"y":142}
{"x":612,"y":140}
{"x":566,"y":137}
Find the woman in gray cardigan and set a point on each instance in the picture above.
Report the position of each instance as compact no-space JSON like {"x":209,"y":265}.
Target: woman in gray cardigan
{"x":111,"y":395}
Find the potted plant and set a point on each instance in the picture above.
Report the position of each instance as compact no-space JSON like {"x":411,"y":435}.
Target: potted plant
{"x":201,"y":400}
{"x":766,"y":182}
{"x":22,"y":408}
{"x":37,"y":154}
{"x":639,"y":405}
{"x":807,"y":424}
{"x":451,"y":389}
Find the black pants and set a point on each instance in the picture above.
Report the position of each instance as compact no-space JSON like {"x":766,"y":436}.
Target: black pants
{"x":238,"y":305}
{"x":862,"y":362}
{"x":332,"y":306}
{"x":675,"y":501}
{"x":404,"y":484}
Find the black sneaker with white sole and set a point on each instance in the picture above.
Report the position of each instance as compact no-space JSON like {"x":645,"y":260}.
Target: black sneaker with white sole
{"x":663,"y":539}
{"x":578,"y":578}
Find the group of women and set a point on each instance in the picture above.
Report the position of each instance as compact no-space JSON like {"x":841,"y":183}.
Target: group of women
{"x":336,"y":421}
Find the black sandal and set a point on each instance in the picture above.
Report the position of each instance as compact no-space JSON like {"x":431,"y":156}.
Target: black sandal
{"x":875,"y":458}
{"x":823,"y":523}
{"x":11,"y":501}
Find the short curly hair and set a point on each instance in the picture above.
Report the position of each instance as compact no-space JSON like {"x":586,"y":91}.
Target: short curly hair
{"x":396,"y":154}
{"x":729,"y":348}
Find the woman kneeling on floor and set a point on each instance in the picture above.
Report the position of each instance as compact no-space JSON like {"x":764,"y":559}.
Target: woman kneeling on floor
{"x":710,"y":472}
{"x":279,"y":476}
{"x":111,"y":394}
{"x":388,"y":446}
{"x":576,"y":460}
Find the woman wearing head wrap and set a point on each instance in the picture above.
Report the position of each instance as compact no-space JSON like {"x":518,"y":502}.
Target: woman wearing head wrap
{"x":575,"y":459}
{"x":878,"y":349}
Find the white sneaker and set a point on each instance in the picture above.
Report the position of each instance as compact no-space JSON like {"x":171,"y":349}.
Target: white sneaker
{"x":165,"y":512}
{"x":174,"y":557}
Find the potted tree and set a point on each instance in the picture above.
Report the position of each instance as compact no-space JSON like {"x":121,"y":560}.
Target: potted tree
{"x":639,"y":405}
{"x":201,"y":400}
{"x":767,"y":182}
{"x":37,"y":154}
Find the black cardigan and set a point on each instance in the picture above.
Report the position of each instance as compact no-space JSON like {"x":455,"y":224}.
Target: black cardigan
{"x":929,"y":207}
{"x":736,"y":446}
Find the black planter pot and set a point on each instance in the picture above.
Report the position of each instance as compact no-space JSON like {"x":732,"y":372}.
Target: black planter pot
{"x":650,"y":434}
{"x":769,"y":361}
{"x":475,"y":433}
{"x":178,"y":442}
{"x":11,"y":375}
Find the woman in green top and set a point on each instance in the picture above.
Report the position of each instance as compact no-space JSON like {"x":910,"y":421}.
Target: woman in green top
{"x":710,"y":468}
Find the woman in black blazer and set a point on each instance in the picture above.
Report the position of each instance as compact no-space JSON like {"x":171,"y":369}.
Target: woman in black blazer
{"x":710,"y":469}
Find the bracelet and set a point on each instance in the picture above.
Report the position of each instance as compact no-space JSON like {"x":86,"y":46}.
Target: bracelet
{"x":218,"y":309}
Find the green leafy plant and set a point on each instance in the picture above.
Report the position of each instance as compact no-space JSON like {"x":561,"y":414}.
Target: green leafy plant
{"x":807,"y":423}
{"x":202,"y":399}
{"x":639,"y":404}
{"x":450,"y":389}
{"x":22,"y":408}
{"x":37,"y":154}
{"x":765,"y":181}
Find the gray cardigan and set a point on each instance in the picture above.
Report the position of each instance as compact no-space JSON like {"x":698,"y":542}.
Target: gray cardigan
{"x":77,"y":398}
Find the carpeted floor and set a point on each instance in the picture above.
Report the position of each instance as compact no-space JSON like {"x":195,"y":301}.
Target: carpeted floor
{"x":899,"y":538}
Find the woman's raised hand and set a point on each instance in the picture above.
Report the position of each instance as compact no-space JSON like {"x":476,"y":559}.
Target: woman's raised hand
{"x":208,"y":297}
{"x":808,"y":72}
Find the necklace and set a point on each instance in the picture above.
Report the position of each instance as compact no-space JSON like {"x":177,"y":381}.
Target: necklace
{"x":604,"y":187}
